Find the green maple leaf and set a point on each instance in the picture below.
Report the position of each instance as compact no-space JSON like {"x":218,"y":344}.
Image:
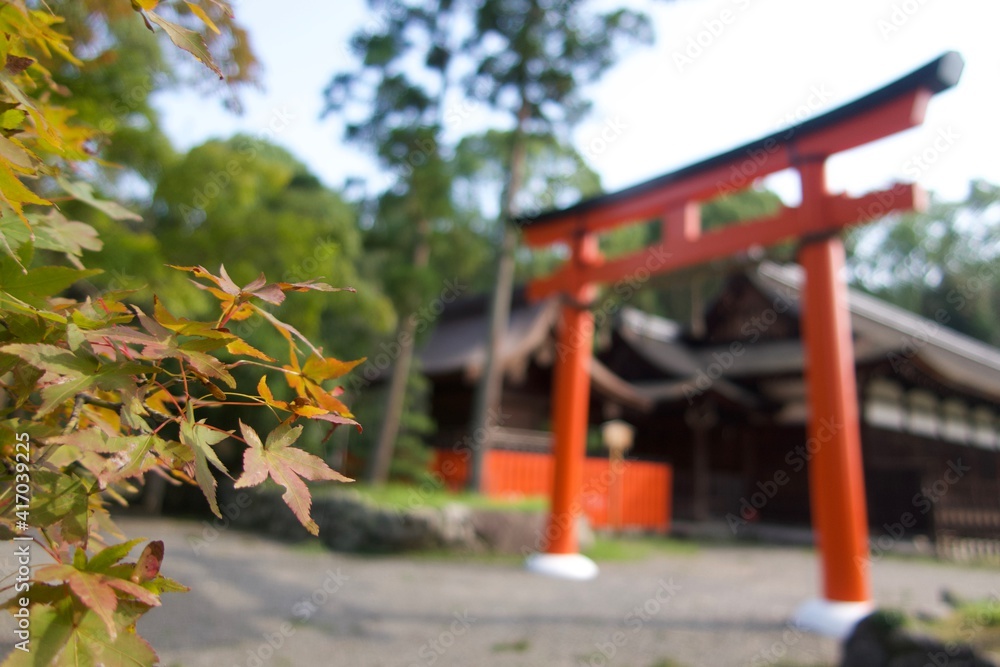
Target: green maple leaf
{"x":61,"y":499}
{"x":65,"y":636}
{"x":67,"y":373}
{"x":287,"y":466}
{"x":200,"y":439}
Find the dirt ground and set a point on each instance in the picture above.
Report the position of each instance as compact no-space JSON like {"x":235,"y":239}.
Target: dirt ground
{"x":258,"y":602}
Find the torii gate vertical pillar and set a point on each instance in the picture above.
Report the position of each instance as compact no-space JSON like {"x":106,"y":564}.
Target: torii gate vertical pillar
{"x":570,"y":407}
{"x":836,"y":476}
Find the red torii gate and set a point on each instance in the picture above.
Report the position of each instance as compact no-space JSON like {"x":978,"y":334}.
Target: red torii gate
{"x":835,"y":472}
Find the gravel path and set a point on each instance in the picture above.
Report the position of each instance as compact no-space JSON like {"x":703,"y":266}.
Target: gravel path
{"x":257,"y":602}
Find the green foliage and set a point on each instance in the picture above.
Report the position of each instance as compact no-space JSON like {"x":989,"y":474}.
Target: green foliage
{"x":400,"y":496}
{"x":614,"y":549}
{"x":941,"y":264}
{"x":96,"y":393}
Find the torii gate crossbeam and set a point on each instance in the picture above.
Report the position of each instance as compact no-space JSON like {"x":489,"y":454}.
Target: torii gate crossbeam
{"x":835,"y":470}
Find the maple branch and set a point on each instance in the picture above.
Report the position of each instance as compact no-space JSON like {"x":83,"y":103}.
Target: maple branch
{"x":156,"y":415}
{"x":74,"y":417}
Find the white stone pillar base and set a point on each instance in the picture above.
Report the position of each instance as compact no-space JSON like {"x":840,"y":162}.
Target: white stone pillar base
{"x":831,"y":618}
{"x":563,"y":566}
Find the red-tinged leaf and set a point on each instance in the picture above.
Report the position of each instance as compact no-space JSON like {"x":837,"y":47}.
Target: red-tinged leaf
{"x":270,"y":293}
{"x":327,"y":401}
{"x":313,"y":285}
{"x":339,"y":420}
{"x":148,"y":565}
{"x":134,"y":590}
{"x":198,"y":271}
{"x":95,"y":593}
{"x":17,"y":64}
{"x":287,"y":466}
{"x":227,"y":284}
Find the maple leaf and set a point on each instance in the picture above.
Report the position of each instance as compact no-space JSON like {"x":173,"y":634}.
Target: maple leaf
{"x":67,"y":373}
{"x":200,"y":439}
{"x":186,"y":39}
{"x":67,"y":638}
{"x":312,"y":285}
{"x":287,"y":466}
{"x":235,"y":300}
{"x":94,"y":584}
{"x":304,"y":407}
{"x":307,"y":381}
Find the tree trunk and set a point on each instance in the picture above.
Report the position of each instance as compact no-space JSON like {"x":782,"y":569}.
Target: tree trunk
{"x":486,"y":403}
{"x":378,"y":469}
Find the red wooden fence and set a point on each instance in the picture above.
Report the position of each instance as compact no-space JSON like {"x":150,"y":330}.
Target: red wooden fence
{"x":644,"y":488}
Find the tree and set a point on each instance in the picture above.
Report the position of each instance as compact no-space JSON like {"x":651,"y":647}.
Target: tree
{"x":531,"y":59}
{"x":113,"y":95}
{"x":941,"y":264}
{"x":401,"y":119}
{"x":95,"y":394}
{"x":526,"y":59}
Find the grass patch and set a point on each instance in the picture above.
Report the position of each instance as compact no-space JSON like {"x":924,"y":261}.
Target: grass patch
{"x":973,"y":622}
{"x":405,"y":496}
{"x":624,"y":549}
{"x":519,"y":646}
{"x":310,"y":545}
{"x":483,"y":558}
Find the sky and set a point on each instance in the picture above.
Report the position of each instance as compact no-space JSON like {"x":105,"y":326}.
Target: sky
{"x":722,"y":73}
